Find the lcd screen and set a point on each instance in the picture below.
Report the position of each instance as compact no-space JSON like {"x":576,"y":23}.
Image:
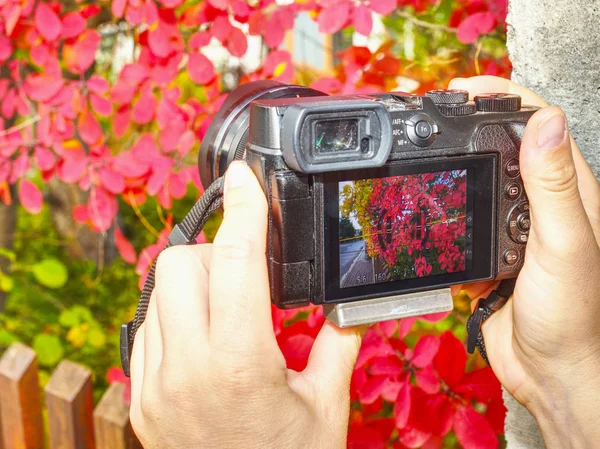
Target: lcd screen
{"x":403,"y":227}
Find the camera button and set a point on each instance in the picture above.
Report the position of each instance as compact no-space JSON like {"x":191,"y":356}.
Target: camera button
{"x":512,"y":168}
{"x":423,"y":129}
{"x":513,"y":191}
{"x":522,"y":238}
{"x":511,"y":257}
{"x":524,"y":207}
{"x":524,"y":222}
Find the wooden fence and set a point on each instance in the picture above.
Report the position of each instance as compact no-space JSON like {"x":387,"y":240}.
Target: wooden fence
{"x":73,"y":421}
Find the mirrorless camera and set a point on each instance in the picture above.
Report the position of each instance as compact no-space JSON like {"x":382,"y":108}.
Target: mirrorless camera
{"x":378,"y":203}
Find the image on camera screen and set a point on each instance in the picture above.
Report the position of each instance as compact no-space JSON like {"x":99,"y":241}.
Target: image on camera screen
{"x":403,"y":227}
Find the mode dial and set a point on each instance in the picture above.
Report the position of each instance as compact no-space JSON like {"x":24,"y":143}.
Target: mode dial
{"x":498,"y":102}
{"x":456,"y":110}
{"x":448,"y":96}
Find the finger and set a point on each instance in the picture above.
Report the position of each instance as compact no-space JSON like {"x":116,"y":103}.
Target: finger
{"x":480,"y":289}
{"x":589,"y":188}
{"x":331,"y":361}
{"x":240,"y":306}
{"x":137,"y":374}
{"x":153,"y":344}
{"x":492,"y":84}
{"x":455,"y":289}
{"x":560,"y":225}
{"x":182,"y":300}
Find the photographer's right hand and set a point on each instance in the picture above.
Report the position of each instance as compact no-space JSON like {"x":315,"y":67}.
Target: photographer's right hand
{"x":206,"y":370}
{"x":544,"y":344}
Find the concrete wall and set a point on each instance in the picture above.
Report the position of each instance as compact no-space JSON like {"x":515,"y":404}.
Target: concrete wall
{"x":555,"y":50}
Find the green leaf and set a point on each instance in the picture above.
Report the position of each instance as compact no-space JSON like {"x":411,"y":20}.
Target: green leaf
{"x":6,"y":338}
{"x":96,"y":338}
{"x":51,"y":273}
{"x":6,"y":283}
{"x":69,"y":318}
{"x":10,"y":255}
{"x":49,"y":349}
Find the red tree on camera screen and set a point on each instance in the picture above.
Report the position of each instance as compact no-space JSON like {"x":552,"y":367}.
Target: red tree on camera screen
{"x":402,"y":227}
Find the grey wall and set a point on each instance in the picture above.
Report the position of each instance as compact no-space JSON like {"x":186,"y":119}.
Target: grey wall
{"x":555,"y":50}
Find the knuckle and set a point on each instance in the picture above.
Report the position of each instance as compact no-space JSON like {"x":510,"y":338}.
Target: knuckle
{"x":149,"y":406}
{"x":560,"y":177}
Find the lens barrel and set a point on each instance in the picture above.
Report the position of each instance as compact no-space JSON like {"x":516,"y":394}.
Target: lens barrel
{"x":227,"y":135}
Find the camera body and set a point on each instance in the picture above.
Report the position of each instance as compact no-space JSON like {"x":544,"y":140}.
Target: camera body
{"x":375,"y":196}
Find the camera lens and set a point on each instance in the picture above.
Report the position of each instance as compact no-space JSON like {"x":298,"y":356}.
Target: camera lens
{"x":227,"y":135}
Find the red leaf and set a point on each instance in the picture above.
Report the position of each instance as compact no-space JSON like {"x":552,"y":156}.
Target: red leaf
{"x":435,"y":317}
{"x":80,"y":213}
{"x":472,"y":429}
{"x":101,"y":105}
{"x":386,"y":366}
{"x":495,"y":414}
{"x":71,"y":169}
{"x":186,"y":142}
{"x":102,"y":209}
{"x":111,"y":180}
{"x":383,"y":7}
{"x":73,"y":24}
{"x":200,"y":68}
{"x":121,"y":120}
{"x":451,"y":359}
{"x":143,"y":110}
{"x":42,"y":87}
{"x":425,"y":350}
{"x":475,"y":25}
{"x":441,"y":414}
{"x":362,"y":19}
{"x":295,"y":348}
{"x":47,"y":22}
{"x":44,"y":158}
{"x":413,"y":438}
{"x":115,"y":374}
{"x":237,"y":44}
{"x":126,"y":164}
{"x":30,"y":197}
{"x":427,"y":380}
{"x":89,"y":128}
{"x":98,"y":85}
{"x":11,"y":15}
{"x":6,"y":48}
{"x":373,"y":345}
{"x":125,"y":248}
{"x":328,"y":85}
{"x":402,"y":405}
{"x":134,"y":73}
{"x":118,"y":7}
{"x":372,"y":389}
{"x":81,"y":55}
{"x":333,"y":18}
{"x":406,"y":325}
{"x":481,"y":384}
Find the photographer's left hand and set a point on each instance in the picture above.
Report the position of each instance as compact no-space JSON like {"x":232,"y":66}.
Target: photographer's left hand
{"x":206,"y":371}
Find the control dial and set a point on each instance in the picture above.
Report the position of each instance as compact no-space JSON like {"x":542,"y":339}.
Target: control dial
{"x":457,"y":110}
{"x":448,"y":96}
{"x":498,"y":102}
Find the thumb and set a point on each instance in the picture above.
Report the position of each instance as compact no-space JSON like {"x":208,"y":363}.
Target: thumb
{"x":558,"y":217}
{"x":332,"y":360}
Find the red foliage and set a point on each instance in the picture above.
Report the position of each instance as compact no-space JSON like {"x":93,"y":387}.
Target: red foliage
{"x":124,"y":139}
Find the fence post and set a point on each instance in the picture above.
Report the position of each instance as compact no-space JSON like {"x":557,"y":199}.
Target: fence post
{"x":20,"y":399}
{"x":70,"y":403}
{"x":111,"y":421}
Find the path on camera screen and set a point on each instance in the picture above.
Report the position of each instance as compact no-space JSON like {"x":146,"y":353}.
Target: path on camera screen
{"x":402,"y":227}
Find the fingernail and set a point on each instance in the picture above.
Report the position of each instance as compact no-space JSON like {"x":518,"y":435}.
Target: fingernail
{"x":237,"y":175}
{"x":551,"y":132}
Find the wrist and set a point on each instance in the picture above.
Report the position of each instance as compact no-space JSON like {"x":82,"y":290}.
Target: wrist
{"x":566,"y":408}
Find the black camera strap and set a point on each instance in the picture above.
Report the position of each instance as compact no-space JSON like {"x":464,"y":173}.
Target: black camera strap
{"x":485,"y":307}
{"x":184,"y":233}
